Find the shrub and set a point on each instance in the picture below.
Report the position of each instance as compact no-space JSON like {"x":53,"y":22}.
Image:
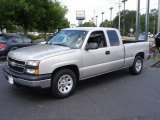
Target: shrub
{"x":33,"y":37}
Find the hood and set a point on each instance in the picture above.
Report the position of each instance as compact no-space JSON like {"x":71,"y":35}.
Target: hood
{"x":39,"y":52}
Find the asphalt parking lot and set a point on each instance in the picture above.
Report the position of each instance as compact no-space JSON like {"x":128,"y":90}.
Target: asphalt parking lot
{"x":114,"y":96}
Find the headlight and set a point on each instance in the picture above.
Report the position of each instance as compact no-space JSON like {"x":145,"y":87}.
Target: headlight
{"x":32,"y":67}
{"x":33,"y":63}
{"x":32,"y":71}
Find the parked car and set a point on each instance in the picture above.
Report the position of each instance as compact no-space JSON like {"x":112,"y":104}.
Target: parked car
{"x":74,"y":54}
{"x":9,"y":42}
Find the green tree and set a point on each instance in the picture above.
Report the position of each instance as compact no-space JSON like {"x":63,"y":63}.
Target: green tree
{"x":64,"y":24}
{"x":53,"y":18}
{"x":28,"y":13}
{"x":153,"y":21}
{"x":43,"y":15}
{"x":6,"y":14}
{"x":130,"y":20}
{"x":89,"y":24}
{"x":106,"y":23}
{"x":153,"y":18}
{"x":142,"y":23}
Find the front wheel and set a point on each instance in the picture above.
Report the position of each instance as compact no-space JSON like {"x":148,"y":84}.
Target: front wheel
{"x":63,"y":83}
{"x":137,"y":66}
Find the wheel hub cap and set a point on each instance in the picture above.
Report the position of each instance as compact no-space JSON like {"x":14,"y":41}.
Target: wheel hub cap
{"x":65,"y":84}
{"x":138,"y":65}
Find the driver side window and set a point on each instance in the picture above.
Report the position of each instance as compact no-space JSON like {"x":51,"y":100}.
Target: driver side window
{"x":99,"y":38}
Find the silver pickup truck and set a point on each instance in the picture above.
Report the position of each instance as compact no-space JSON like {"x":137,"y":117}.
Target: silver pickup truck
{"x":71,"y":55}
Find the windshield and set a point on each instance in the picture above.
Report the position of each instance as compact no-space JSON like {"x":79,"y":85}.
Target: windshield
{"x":69,"y":38}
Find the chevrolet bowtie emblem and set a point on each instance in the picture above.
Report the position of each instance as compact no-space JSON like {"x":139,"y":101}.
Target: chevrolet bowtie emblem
{"x":13,"y":63}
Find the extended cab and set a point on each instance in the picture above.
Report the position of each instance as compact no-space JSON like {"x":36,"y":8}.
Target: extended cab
{"x":71,"y":55}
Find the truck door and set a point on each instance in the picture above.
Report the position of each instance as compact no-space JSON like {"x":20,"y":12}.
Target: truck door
{"x":103,"y":59}
{"x":116,"y":49}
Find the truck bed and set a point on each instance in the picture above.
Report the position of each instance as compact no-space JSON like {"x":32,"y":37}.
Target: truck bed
{"x":134,"y":47}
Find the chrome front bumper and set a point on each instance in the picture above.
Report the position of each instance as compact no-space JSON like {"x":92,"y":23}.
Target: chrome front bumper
{"x":42,"y":81}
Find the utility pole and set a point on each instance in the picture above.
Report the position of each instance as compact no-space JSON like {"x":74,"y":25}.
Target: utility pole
{"x":111,"y":8}
{"x":94,"y":16}
{"x":124,"y":1}
{"x":92,"y":20}
{"x":102,"y":16}
{"x":96,"y":21}
{"x":147,"y":20}
{"x":80,"y":22}
{"x":137,"y":19}
{"x":158,"y":28}
{"x":119,"y":26}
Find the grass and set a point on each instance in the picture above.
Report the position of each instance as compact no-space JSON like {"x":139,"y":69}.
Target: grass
{"x":155,"y":59}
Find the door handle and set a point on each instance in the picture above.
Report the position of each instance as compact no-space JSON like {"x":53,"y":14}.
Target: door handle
{"x":107,"y":52}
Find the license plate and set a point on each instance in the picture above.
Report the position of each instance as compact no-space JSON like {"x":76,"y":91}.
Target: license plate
{"x":10,"y":80}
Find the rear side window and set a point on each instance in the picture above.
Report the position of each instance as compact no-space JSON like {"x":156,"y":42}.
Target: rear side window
{"x":113,"y":38}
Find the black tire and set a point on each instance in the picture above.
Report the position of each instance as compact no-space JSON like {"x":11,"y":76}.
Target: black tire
{"x":137,"y":66}
{"x":63,"y":83}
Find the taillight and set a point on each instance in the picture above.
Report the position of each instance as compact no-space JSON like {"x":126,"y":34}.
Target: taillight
{"x":2,"y":46}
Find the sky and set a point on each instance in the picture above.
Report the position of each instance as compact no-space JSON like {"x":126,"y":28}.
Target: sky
{"x":96,"y":7}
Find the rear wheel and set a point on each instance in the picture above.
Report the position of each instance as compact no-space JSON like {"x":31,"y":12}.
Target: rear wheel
{"x":63,"y":83}
{"x":137,"y":66}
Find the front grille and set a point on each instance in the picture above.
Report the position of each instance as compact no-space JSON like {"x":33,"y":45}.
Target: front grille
{"x":16,"y":65}
{"x":16,"y":68}
{"x":16,"y":61}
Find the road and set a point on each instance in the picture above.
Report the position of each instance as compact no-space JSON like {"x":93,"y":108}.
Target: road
{"x":115,"y":96}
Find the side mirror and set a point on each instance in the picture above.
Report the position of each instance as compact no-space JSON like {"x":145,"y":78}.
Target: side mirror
{"x":92,"y":46}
